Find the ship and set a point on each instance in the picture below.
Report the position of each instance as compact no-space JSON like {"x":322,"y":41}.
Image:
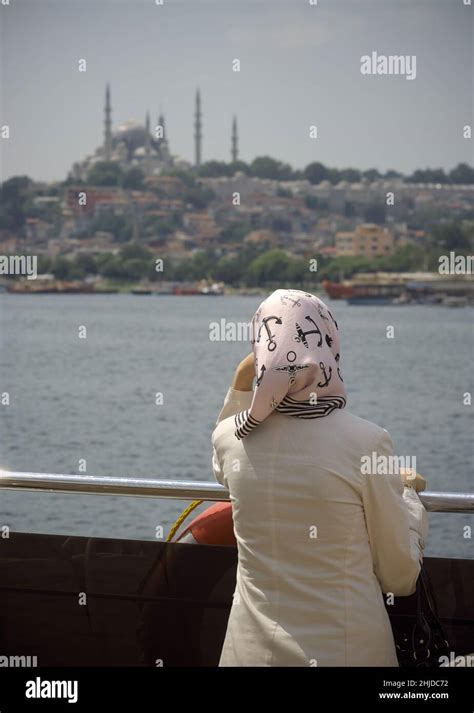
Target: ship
{"x":39,"y":286}
{"x":149,"y":601}
{"x":387,"y":288}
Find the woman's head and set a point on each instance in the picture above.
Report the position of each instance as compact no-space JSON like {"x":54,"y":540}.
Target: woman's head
{"x":295,"y":341}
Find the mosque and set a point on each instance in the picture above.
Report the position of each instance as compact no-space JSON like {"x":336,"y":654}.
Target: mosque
{"x":135,"y":145}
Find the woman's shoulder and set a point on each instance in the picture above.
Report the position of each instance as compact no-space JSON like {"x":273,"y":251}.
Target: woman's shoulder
{"x":361,"y":427}
{"x":356,"y":424}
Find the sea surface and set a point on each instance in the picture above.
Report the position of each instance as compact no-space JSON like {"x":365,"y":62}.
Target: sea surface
{"x":94,"y":398}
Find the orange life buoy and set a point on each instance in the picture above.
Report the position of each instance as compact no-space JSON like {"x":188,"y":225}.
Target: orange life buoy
{"x":214,"y":526}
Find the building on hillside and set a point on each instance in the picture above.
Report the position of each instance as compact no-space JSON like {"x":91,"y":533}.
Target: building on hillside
{"x":367,"y":240}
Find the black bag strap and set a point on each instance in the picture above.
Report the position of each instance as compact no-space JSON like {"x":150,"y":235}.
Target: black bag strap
{"x":428,"y":636}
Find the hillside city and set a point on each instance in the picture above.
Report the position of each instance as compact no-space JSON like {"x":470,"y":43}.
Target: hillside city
{"x":133,"y":213}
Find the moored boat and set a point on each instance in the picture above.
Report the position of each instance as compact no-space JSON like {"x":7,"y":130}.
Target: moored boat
{"x":403,"y":288}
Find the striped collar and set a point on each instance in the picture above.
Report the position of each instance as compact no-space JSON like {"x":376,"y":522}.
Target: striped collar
{"x":245,"y":422}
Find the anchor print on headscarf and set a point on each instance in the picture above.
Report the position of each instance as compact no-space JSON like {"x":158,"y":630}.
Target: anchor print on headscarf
{"x":301,"y":335}
{"x":292,"y":370}
{"x":284,"y":298}
{"x":295,"y":344}
{"x":321,"y":312}
{"x":271,"y":341}
{"x":335,"y":323}
{"x":262,"y":372}
{"x":326,"y":375}
{"x":337,"y":357}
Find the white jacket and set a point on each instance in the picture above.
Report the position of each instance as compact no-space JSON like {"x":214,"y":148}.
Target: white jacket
{"x":317,"y":540}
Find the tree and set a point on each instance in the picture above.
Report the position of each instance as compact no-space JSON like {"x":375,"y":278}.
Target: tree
{"x":86,"y":262}
{"x":135,"y":251}
{"x":14,"y":196}
{"x":371,"y":174}
{"x":241,"y":166}
{"x":112,"y":267}
{"x":462,"y":174}
{"x":229,"y":270}
{"x":105,"y":173}
{"x":134,"y":269}
{"x":272,"y":266}
{"x":76,"y":272}
{"x":213,"y":169}
{"x":316,"y":172}
{"x":450,"y":236}
{"x":428,"y":175}
{"x":198,"y":196}
{"x":235,"y":232}
{"x":267,"y":167}
{"x":120,"y":226}
{"x":405,"y":259}
{"x":60,"y":268}
{"x":44,"y":264}
{"x":297,"y":271}
{"x":133,"y":179}
{"x":352,"y":175}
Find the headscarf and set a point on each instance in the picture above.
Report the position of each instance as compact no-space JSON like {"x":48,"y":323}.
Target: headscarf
{"x":295,"y":341}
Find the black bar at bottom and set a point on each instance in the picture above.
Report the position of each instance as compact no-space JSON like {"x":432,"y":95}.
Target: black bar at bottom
{"x":153,"y":689}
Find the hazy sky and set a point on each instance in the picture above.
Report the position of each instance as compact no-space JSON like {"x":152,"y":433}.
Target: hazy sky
{"x":300,"y":65}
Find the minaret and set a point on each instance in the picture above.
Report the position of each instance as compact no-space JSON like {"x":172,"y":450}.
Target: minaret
{"x":164,"y":148}
{"x":198,"y":130}
{"x":234,"y":152}
{"x":161,"y":122}
{"x":107,"y":126}
{"x":147,"y":144}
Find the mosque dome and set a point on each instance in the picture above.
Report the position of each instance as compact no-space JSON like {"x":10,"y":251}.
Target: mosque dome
{"x":133,"y":134}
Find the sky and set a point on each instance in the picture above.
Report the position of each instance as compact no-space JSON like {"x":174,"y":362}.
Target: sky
{"x":299,"y":66}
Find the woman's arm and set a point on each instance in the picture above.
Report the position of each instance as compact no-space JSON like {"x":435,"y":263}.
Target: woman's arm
{"x":240,"y":394}
{"x":397,"y":526}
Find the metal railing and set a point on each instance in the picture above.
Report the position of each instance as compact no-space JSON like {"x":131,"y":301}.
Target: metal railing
{"x":177,"y":489}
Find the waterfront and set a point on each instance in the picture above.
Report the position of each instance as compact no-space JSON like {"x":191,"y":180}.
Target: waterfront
{"x":94,"y":399}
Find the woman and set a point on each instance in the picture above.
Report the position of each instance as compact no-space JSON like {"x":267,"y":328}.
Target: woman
{"x":318,"y":538}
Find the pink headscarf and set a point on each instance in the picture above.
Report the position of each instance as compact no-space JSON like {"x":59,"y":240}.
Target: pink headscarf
{"x":296,"y":346}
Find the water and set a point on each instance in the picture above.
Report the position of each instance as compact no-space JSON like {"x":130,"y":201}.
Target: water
{"x":94,"y":399}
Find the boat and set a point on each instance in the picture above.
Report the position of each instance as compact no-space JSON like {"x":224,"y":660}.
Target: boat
{"x":141,"y":290}
{"x":385,"y":288}
{"x":338,"y":290}
{"x":211,"y":289}
{"x":382,"y":292}
{"x":160,"y":603}
{"x":62,"y":287}
{"x":163,"y":289}
{"x":367,"y":289}
{"x":453,"y":301}
{"x":185,"y":289}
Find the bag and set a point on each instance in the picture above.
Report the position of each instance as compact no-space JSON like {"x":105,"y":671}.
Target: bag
{"x":421,"y":644}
